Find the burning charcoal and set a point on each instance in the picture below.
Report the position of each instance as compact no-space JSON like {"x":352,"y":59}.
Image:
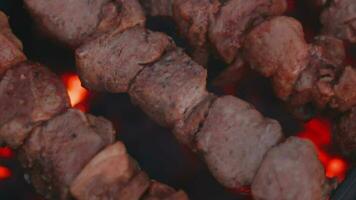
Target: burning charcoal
{"x":112,"y":61}
{"x":157,"y":7}
{"x":159,"y":191}
{"x":105,"y":175}
{"x":339,"y":19}
{"x":345,"y":93}
{"x":169,"y":88}
{"x":234,"y":139}
{"x":235,"y":18}
{"x":277,"y":48}
{"x":29,"y":94}
{"x":10,"y":47}
{"x":186,"y":129}
{"x":192,"y":18}
{"x":291,"y":171}
{"x":345,"y":135}
{"x":68,"y":21}
{"x":56,"y":152}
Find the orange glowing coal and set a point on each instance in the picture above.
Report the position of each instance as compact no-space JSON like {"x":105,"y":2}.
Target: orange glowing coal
{"x":77,"y":94}
{"x":4,"y":173}
{"x":318,"y":131}
{"x":6,"y":152}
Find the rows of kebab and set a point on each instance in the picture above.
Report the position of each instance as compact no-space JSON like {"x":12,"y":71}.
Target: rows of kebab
{"x":68,"y":153}
{"x":115,"y":53}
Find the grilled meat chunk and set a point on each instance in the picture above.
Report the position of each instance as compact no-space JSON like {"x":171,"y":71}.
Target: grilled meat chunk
{"x":291,"y":171}
{"x":169,"y":88}
{"x":339,"y":20}
{"x":56,"y":152}
{"x":276,"y":48}
{"x":112,"y":61}
{"x":234,"y":139}
{"x":29,"y":94}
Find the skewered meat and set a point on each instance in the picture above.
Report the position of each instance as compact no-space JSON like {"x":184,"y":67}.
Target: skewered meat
{"x":192,"y":18}
{"x":345,"y":93}
{"x":110,"y":62}
{"x":29,"y":94}
{"x":332,"y":50}
{"x":6,"y":30}
{"x":277,"y":49}
{"x":290,"y":171}
{"x":315,"y":83}
{"x":234,"y":139}
{"x":339,"y":19}
{"x":157,"y":7}
{"x":159,"y":191}
{"x":185,"y":130}
{"x":56,"y":152}
{"x":10,"y":46}
{"x":70,"y":25}
{"x":105,"y":175}
{"x":169,"y":88}
{"x":73,"y":22}
{"x":345,"y":135}
{"x":234,"y":19}
{"x":232,"y":136}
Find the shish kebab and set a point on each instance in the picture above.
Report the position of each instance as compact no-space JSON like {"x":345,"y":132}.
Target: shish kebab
{"x":67,"y":153}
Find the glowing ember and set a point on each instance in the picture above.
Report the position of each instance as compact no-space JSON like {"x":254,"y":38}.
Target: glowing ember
{"x":76,"y":92}
{"x":4,"y":172}
{"x":6,"y":152}
{"x":319,"y":132}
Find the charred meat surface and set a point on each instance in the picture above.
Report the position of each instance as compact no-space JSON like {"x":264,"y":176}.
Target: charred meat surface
{"x":112,"y":61}
{"x":339,"y":20}
{"x":345,"y":136}
{"x":105,"y":175}
{"x":56,"y":152}
{"x":185,"y":130}
{"x":234,"y":139}
{"x":120,"y":15}
{"x":29,"y":94}
{"x":193,"y":18}
{"x":235,"y":18}
{"x":10,"y":47}
{"x":6,"y":30}
{"x":291,"y":171}
{"x":170,"y":87}
{"x":68,"y":21}
{"x":160,"y":191}
{"x":345,"y":93}
{"x":276,"y":48}
{"x":157,"y":7}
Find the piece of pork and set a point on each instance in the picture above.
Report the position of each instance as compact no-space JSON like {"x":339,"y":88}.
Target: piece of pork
{"x":276,"y":48}
{"x":170,"y":87}
{"x":291,"y":171}
{"x":56,"y":152}
{"x":235,"y":18}
{"x":105,"y":175}
{"x":112,"y":61}
{"x":339,"y":19}
{"x":234,"y":139}
{"x":10,"y":47}
{"x":29,"y":94}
